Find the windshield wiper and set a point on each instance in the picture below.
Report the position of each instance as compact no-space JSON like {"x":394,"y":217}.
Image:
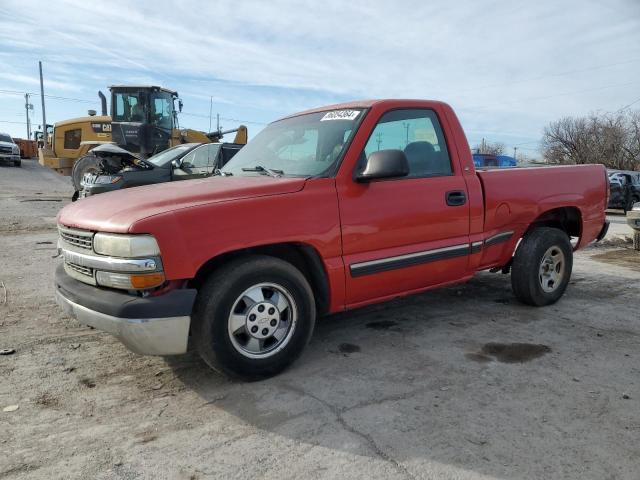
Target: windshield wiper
{"x":268,"y":171}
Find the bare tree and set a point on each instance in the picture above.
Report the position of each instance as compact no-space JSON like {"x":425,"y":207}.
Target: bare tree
{"x":489,"y":148}
{"x":610,"y":139}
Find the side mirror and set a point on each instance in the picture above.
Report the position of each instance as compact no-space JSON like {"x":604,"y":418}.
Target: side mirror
{"x":384,"y":164}
{"x":176,"y":163}
{"x":180,"y":106}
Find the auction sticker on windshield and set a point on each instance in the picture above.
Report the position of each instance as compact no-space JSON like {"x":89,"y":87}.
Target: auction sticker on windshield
{"x":341,"y":115}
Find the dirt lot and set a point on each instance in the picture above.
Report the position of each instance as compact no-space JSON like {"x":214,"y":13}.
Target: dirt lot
{"x":462,"y":383}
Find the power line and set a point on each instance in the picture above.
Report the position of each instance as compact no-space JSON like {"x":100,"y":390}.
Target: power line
{"x":10,"y":121}
{"x":228,"y":119}
{"x":574,"y":92}
{"x":627,"y":106}
{"x":242,"y":121}
{"x":53,"y":97}
{"x":558,"y":74}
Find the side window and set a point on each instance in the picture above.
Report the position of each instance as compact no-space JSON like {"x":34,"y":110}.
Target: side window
{"x":418,"y":134}
{"x":198,"y":158}
{"x":72,"y":139}
{"x":212,"y":149}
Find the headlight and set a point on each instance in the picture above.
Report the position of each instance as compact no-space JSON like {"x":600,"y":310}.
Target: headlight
{"x":106,"y":179}
{"x":16,"y":149}
{"x":127,"y":246}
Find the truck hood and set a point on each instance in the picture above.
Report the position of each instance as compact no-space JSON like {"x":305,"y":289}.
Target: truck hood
{"x":117,"y":211}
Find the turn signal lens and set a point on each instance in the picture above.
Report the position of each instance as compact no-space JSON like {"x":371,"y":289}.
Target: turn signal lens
{"x":148,"y":280}
{"x":130,"y":281}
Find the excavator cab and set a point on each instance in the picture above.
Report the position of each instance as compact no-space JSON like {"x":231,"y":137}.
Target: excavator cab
{"x":143,"y":118}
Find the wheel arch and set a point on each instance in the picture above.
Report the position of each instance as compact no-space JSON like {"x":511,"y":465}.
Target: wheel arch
{"x":568,"y":219}
{"x":302,"y":256}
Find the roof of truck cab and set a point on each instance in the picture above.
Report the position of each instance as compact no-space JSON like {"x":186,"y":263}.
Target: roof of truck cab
{"x":388,"y":102}
{"x":145,"y":87}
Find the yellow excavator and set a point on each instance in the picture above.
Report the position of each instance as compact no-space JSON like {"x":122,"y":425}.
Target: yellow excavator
{"x":143,"y":122}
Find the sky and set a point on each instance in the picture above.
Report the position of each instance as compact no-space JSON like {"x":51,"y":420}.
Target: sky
{"x":507,"y":67}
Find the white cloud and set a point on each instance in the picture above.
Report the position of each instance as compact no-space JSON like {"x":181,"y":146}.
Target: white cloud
{"x":507,"y":67}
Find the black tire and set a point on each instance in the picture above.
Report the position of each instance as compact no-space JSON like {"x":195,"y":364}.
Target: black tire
{"x":636,"y":240}
{"x":17,"y":163}
{"x":85,"y":164}
{"x":213,"y":307}
{"x":526,"y":278}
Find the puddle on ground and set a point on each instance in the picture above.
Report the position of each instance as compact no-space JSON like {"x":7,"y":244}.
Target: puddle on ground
{"x":381,"y":324}
{"x":508,"y":352}
{"x":622,"y":258}
{"x":348,"y":348}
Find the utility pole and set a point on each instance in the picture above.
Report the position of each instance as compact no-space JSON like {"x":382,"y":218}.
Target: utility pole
{"x":515,"y":149}
{"x":27,"y":107}
{"x":406,"y":125}
{"x":210,"y":111}
{"x":217,"y":122}
{"x":379,"y":139}
{"x":44,"y":116}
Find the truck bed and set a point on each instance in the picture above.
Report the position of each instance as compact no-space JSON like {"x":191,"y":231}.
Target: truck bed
{"x":516,"y":197}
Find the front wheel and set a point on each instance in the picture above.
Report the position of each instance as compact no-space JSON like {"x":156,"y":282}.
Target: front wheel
{"x":542,"y":266}
{"x":253,"y":317}
{"x":17,"y":163}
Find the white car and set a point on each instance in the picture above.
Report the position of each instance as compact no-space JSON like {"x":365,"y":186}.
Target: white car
{"x":9,"y":151}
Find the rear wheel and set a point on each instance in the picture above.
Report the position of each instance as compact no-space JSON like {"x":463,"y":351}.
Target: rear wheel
{"x":88,"y":163}
{"x":253,"y":317}
{"x":542,"y":266}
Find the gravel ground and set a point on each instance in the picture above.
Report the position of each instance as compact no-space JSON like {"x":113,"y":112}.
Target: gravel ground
{"x":461,"y":383}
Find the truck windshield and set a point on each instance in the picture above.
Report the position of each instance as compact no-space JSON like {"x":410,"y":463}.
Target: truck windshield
{"x":5,"y":138}
{"x":305,"y":145}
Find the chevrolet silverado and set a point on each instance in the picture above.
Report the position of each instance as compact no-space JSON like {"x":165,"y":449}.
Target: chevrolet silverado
{"x":323,"y":211}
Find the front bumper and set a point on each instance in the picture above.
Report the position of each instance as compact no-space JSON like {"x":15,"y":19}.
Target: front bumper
{"x":10,"y":157}
{"x":145,"y":325}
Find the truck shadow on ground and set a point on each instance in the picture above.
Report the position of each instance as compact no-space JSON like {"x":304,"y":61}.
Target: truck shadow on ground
{"x":463,"y":377}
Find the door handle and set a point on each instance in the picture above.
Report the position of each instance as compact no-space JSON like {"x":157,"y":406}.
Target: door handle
{"x":456,"y":198}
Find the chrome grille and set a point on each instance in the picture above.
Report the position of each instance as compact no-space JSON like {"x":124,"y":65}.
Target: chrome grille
{"x":77,"y":238}
{"x":80,"y":269}
{"x":4,"y":149}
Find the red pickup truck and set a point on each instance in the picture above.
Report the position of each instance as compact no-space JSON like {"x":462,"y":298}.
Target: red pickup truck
{"x":323,"y":211}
